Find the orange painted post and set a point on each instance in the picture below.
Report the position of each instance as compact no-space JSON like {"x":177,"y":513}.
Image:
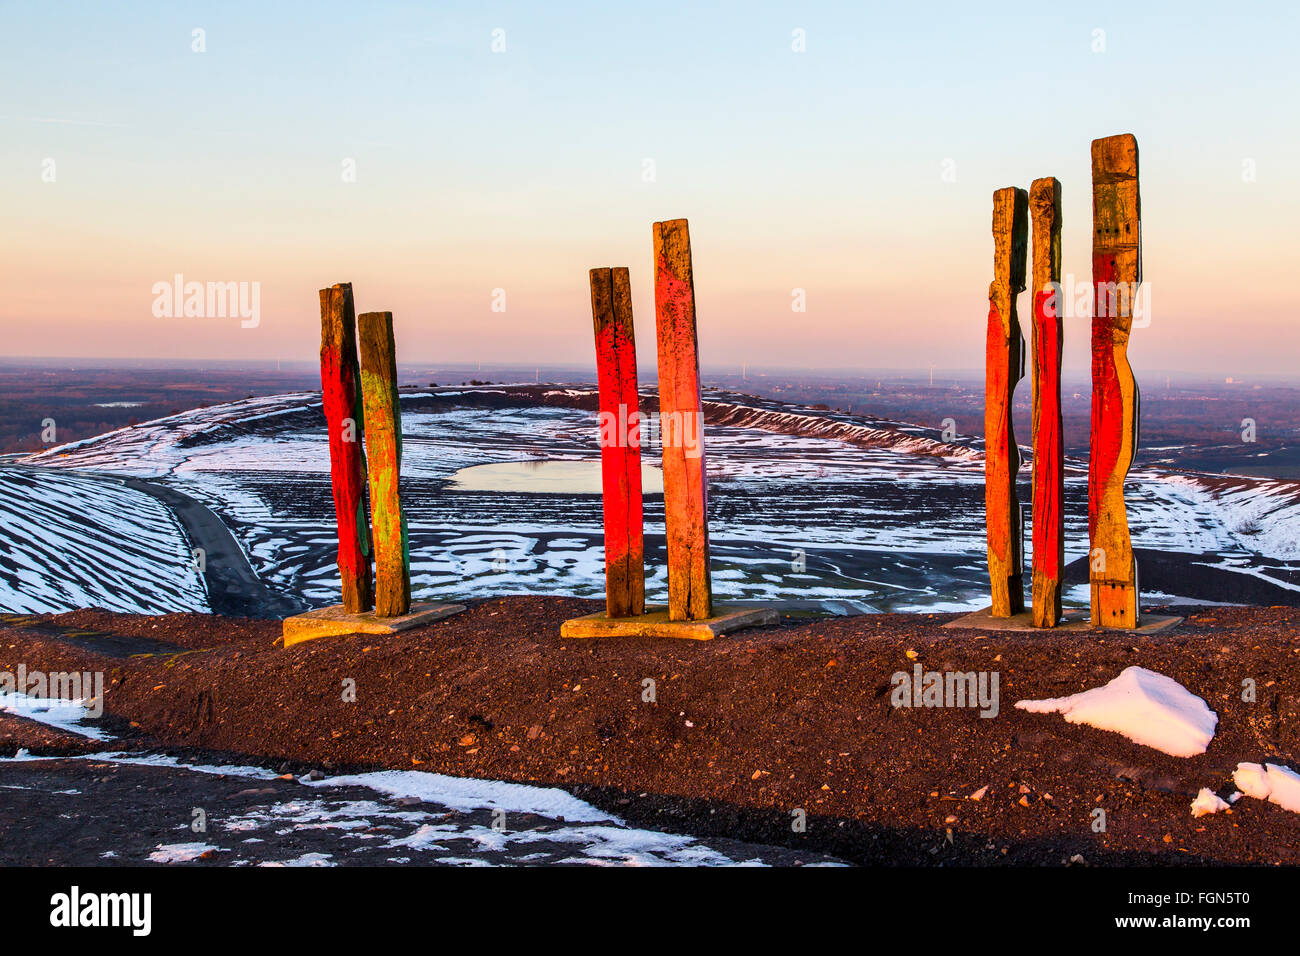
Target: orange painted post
{"x":341,"y":391}
{"x":1049,"y":443}
{"x":1004,"y":366}
{"x":1116,"y":272}
{"x":681,"y":426}
{"x":384,"y":443}
{"x":620,"y":442}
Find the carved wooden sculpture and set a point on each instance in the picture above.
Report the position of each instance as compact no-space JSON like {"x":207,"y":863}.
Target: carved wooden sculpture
{"x":341,"y":387}
{"x":1004,"y":366}
{"x":384,"y":444}
{"x":620,"y":448}
{"x":1049,"y":444}
{"x":690,"y":596}
{"x":1116,"y":272}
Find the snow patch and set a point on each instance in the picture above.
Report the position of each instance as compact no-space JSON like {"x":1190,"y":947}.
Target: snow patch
{"x":1206,"y":802}
{"x":1147,"y":708}
{"x":180,"y":852}
{"x":1271,"y":782}
{"x":466,"y":794}
{"x":307,"y":859}
{"x":52,"y":712}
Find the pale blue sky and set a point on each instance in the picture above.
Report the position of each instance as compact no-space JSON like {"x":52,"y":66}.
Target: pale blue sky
{"x":522,"y":169}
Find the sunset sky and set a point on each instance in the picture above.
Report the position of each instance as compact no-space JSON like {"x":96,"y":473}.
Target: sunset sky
{"x":476,"y":170}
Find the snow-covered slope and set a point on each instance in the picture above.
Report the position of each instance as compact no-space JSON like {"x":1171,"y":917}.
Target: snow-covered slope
{"x":804,"y":504}
{"x":70,"y":541}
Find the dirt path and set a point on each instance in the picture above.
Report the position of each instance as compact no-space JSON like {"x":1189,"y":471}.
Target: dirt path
{"x":233,"y":586}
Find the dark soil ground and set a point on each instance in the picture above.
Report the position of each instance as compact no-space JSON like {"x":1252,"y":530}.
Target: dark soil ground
{"x":745,"y":734}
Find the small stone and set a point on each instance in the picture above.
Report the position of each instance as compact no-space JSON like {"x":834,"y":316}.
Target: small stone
{"x":979,"y":794}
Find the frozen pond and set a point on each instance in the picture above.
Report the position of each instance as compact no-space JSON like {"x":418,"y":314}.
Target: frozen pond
{"x":547,"y":476}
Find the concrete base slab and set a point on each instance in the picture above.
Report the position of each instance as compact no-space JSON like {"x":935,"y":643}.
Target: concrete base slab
{"x":334,"y":621}
{"x":655,"y":623}
{"x":1071,"y":620}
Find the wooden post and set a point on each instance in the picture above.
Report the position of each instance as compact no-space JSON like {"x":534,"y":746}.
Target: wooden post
{"x":384,"y":443}
{"x":1049,"y":443}
{"x":341,"y":391}
{"x":681,"y":426}
{"x":620,"y":442}
{"x":1116,"y":272}
{"x":1004,"y":366}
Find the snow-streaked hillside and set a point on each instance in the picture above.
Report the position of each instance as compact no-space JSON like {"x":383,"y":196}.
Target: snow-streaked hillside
{"x":804,"y":504}
{"x":70,"y":541}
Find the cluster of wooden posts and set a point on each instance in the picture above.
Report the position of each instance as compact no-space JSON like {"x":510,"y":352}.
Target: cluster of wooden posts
{"x":360,"y":398}
{"x":361,"y":403}
{"x":690,"y":611}
{"x":1116,"y":264}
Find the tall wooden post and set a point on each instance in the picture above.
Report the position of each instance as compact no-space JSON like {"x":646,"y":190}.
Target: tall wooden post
{"x":341,"y":390}
{"x":384,"y":444}
{"x":1049,"y":443}
{"x":681,"y":426}
{"x":1116,"y":272}
{"x":1004,"y":366}
{"x":620,"y":442}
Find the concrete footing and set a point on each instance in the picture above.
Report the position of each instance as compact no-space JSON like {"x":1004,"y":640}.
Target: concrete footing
{"x":335,"y":621}
{"x":1073,"y":620}
{"x":655,"y":623}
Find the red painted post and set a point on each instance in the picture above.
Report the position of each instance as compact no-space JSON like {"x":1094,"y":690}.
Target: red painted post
{"x":681,"y":426}
{"x":1004,"y":366}
{"x":341,"y":389}
{"x":1116,"y":272}
{"x":1049,"y":443}
{"x":620,"y":442}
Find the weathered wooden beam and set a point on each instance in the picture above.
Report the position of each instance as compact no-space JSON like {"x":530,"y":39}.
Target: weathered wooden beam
{"x":681,"y":426}
{"x":1049,"y":443}
{"x":1116,"y":272}
{"x":1004,"y":366}
{"x":620,"y":442}
{"x":384,"y":445}
{"x":341,"y":389}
